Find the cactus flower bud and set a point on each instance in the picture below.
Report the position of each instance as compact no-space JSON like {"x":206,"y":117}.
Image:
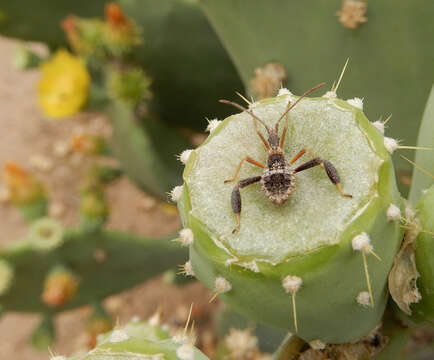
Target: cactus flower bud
{"x":23,"y":187}
{"x":60,"y":286}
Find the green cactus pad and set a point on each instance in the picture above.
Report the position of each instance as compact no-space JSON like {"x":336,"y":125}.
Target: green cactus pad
{"x":147,"y":150}
{"x":42,"y":337}
{"x":309,"y":236}
{"x":140,"y":341}
{"x":424,"y":253}
{"x":34,"y":210}
{"x":106,"y":262}
{"x":311,"y":43}
{"x":185,"y":85}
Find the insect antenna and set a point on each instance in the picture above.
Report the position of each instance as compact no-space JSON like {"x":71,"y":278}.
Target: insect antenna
{"x":247,"y":111}
{"x":296,"y":102}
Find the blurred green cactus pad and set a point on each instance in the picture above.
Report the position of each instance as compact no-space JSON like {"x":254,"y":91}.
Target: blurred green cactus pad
{"x":423,"y":310}
{"x":305,"y":257}
{"x":141,"y":341}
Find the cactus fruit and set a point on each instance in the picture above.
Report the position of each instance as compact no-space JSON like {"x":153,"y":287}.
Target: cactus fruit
{"x":60,"y":286}
{"x":141,"y":340}
{"x":26,"y":191}
{"x":311,"y":257}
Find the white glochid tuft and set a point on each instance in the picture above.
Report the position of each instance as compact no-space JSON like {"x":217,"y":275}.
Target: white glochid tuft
{"x":118,"y":336}
{"x":361,"y":242}
{"x":212,"y":125}
{"x":181,"y":338}
{"x":176,"y":193}
{"x":390,"y":144}
{"x":393,"y":212}
{"x":186,"y":237}
{"x":58,"y":357}
{"x":330,"y":95}
{"x":241,"y":343}
{"x":363,"y":298}
{"x":379,"y":126}
{"x":251,"y":265}
{"x":317,"y":345}
{"x":356,"y":102}
{"x":185,"y":352}
{"x":291,"y":283}
{"x":221,"y":285}
{"x":184,"y":156}
{"x":284,"y":91}
{"x":230,"y":261}
{"x":188,"y":268}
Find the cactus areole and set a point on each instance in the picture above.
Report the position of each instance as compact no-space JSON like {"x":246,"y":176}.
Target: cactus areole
{"x":310,"y":235}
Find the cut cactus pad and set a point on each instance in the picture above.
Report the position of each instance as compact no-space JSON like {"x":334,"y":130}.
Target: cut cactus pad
{"x":308,"y":236}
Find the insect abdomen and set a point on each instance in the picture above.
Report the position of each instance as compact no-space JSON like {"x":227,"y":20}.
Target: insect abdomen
{"x":278,"y":184}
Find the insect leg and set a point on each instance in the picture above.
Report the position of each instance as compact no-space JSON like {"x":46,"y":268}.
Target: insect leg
{"x":236,"y":197}
{"x":331,"y":171}
{"x":300,"y":154}
{"x":248,"y":159}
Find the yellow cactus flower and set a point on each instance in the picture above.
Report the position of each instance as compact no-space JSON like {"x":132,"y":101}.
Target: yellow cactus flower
{"x":64,"y":85}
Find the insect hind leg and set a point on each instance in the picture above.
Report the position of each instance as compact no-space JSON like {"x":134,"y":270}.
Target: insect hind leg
{"x":330,"y":170}
{"x":236,"y":198}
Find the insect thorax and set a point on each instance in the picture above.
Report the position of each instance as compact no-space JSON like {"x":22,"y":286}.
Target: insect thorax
{"x":277,"y":179}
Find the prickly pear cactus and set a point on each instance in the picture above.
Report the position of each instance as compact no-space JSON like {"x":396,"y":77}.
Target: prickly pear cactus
{"x":424,"y":310}
{"x":310,"y":40}
{"x":411,"y":279}
{"x":182,"y":96}
{"x":31,"y":266}
{"x":140,"y":341}
{"x":318,"y":264}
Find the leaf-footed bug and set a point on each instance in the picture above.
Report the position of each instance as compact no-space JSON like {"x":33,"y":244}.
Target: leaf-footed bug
{"x":278,"y":176}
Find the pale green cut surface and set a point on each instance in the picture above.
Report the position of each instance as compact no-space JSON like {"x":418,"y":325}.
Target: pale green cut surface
{"x":315,"y":215}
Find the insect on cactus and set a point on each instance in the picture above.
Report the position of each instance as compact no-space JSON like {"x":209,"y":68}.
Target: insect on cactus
{"x":284,"y":265}
{"x":278,"y":178}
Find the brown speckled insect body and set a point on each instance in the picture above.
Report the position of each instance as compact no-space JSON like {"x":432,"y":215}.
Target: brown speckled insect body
{"x":278,"y":177}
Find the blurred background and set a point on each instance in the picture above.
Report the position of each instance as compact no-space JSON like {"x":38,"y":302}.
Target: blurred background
{"x":138,"y":82}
